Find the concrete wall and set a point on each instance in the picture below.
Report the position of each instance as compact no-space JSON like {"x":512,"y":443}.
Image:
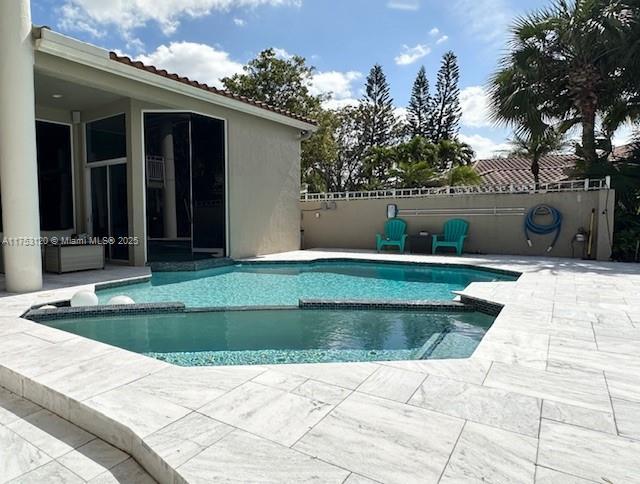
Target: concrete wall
{"x":263,"y":162}
{"x":353,"y":224}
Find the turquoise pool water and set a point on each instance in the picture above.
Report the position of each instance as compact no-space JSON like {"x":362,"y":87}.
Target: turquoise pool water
{"x":287,"y":336}
{"x":285,"y":284}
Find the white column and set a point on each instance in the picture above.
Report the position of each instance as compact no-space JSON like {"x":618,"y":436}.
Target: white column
{"x":18,"y":165}
{"x":169,"y":214}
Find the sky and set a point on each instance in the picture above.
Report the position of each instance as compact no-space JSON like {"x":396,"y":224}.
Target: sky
{"x":209,"y":39}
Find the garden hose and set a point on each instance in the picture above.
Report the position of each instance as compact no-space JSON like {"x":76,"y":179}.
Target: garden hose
{"x":531,"y":227}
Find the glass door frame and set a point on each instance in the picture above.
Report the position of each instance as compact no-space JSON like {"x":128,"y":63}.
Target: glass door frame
{"x":226,"y":172}
{"x":87,"y":183}
{"x":73,"y":177}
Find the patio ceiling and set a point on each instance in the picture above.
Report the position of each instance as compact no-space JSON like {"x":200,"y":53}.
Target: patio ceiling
{"x":74,"y":97}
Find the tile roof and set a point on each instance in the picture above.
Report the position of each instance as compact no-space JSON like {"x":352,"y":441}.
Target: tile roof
{"x":220,"y":92}
{"x":517,"y":169}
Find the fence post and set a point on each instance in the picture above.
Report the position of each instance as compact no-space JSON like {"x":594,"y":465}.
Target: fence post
{"x":586,"y":185}
{"x":607,"y":182}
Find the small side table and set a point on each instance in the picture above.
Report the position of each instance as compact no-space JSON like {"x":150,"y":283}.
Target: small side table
{"x":420,"y":243}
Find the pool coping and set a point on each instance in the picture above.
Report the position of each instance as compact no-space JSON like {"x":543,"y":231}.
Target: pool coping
{"x":106,"y":424}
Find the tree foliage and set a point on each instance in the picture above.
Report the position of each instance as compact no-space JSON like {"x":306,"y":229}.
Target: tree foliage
{"x":419,"y":109}
{"x":282,"y":83}
{"x":362,"y":147}
{"x":378,"y":119}
{"x":569,"y":64}
{"x":446,"y":111}
{"x":533,"y":145}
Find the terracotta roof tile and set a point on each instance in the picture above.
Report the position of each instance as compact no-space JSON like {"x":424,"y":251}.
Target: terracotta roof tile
{"x":517,"y":170}
{"x":220,"y":92}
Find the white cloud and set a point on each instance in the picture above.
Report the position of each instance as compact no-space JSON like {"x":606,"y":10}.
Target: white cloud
{"x":484,"y":147}
{"x":412,"y":54}
{"x":434,"y":31}
{"x":625,"y":134}
{"x":475,"y":107}
{"x":73,"y":17}
{"x":337,"y":84}
{"x":401,"y":113}
{"x":199,"y":62}
{"x":239,"y":22}
{"x":340,"y":103}
{"x":411,"y":5}
{"x":490,"y":28}
{"x":282,"y":53}
{"x":442,"y":39}
{"x":94,"y":16}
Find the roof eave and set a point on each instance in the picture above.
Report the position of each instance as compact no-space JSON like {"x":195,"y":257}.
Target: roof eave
{"x":56,"y":44}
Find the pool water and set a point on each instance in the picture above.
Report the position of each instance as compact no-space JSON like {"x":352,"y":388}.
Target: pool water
{"x":284,"y":284}
{"x":287,"y":336}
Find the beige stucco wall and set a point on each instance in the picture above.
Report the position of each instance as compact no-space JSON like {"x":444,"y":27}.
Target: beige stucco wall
{"x":263,"y":162}
{"x":353,"y":224}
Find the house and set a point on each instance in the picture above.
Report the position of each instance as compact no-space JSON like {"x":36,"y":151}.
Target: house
{"x":160,"y":166}
{"x":516,"y":170}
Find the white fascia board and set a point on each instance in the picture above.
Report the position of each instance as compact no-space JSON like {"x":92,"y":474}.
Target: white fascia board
{"x":59,"y":45}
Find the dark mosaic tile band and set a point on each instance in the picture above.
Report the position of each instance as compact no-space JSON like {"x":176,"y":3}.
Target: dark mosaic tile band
{"x":190,"y":266}
{"x":222,"y":309}
{"x":123,"y":282}
{"x":320,"y":262}
{"x":430,"y":306}
{"x":492,"y":309}
{"x":39,"y":315}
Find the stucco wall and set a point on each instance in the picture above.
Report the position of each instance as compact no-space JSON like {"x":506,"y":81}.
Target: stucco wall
{"x":263,"y":162}
{"x":353,"y":224}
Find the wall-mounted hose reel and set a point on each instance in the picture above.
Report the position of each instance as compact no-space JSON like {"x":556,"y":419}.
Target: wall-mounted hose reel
{"x":535,"y":228}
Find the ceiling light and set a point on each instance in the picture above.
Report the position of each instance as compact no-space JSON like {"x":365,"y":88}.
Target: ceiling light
{"x":56,"y":96}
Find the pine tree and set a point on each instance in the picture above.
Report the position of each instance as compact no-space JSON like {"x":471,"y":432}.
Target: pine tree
{"x":377,"y":109}
{"x":378,"y":129}
{"x":446,"y":103}
{"x":419,"y":109}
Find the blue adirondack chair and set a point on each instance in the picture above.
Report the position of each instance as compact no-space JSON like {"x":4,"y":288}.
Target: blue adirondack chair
{"x":395,"y":234}
{"x":455,"y":231}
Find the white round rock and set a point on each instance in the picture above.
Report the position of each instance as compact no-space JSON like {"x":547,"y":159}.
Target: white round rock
{"x":119,"y":300}
{"x":84,"y":298}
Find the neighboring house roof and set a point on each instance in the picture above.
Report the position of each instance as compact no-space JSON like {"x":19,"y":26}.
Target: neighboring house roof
{"x":185,"y":80}
{"x":623,"y":151}
{"x":517,"y":169}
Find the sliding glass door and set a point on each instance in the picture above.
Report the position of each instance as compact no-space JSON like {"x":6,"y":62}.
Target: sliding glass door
{"x":107,"y":182}
{"x":208,"y":185}
{"x":185,"y":186}
{"x":110,"y":219}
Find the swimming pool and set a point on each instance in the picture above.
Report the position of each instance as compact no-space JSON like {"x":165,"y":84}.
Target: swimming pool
{"x":265,"y":284}
{"x":287,"y":336}
{"x":250,"y":313}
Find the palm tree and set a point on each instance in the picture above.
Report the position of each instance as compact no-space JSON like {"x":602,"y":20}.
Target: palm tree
{"x":413,"y":175}
{"x":464,"y":176}
{"x":567,"y":63}
{"x":536,"y":145}
{"x":415,"y":163}
{"x":452,"y":152}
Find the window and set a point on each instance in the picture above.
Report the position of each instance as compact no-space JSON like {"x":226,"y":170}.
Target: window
{"x":106,"y":139}
{"x":55,"y":179}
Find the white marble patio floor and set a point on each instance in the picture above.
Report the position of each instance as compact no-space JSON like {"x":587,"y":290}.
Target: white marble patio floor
{"x":551,"y":395}
{"x":37,"y":447}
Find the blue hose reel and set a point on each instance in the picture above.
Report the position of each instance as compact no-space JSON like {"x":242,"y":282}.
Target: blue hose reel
{"x":531,"y":227}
